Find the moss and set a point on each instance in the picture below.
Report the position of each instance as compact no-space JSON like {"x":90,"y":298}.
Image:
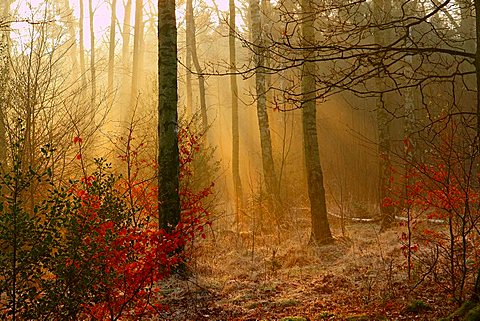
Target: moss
{"x":286,"y":303}
{"x":417,"y":306}
{"x":468,"y":311}
{"x":358,"y":318}
{"x":473,"y":314}
{"x":293,"y":319}
{"x":326,"y":315}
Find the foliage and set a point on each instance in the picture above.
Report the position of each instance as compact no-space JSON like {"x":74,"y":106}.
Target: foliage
{"x":439,"y":200}
{"x":91,"y":248}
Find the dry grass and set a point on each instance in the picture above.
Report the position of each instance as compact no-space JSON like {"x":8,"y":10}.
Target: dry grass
{"x":253,"y":276}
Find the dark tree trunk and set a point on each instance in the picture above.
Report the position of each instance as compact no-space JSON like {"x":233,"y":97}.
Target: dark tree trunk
{"x":321,"y":233}
{"x":168,"y":158}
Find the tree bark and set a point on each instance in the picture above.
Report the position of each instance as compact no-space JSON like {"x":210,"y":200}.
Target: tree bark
{"x":168,"y":158}
{"x":192,"y":45}
{"x":270,"y":176}
{"x":321,"y":233}
{"x":237,"y":182}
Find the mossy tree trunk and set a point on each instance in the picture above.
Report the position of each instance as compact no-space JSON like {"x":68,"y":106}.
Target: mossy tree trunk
{"x":168,"y":154}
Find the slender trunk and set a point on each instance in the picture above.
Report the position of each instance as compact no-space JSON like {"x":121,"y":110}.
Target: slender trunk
{"x":72,"y":39}
{"x":381,"y":16}
{"x":126,"y":32}
{"x":81,"y":44}
{"x":237,"y":183}
{"x":321,"y":233}
{"x":193,"y":49}
{"x":4,"y":58}
{"x":477,"y":63}
{"x":137,"y":44}
{"x":111,"y":51}
{"x":168,"y":158}
{"x":271,"y":181}
{"x":188,"y":80}
{"x":92,"y":57}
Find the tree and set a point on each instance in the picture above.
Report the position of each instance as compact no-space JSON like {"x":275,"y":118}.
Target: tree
{"x":81,"y":45}
{"x":381,"y":14}
{"x":269,"y":174}
{"x":111,"y":50}
{"x":137,"y":53}
{"x":126,"y":32}
{"x":4,"y":56}
{"x":168,"y":154}
{"x":237,"y":182}
{"x":93,"y":80}
{"x":192,"y":48}
{"x":316,"y":191}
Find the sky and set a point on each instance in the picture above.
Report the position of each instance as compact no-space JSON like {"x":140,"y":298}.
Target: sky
{"x":33,"y":10}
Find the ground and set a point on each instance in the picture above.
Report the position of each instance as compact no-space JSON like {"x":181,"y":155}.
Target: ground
{"x":362,"y":276}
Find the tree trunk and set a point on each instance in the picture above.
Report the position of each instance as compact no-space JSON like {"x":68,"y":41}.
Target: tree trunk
{"x":111,"y":51}
{"x":168,"y":158}
{"x":92,"y":59}
{"x":81,"y":45}
{"x":316,"y":191}
{"x":237,"y":182}
{"x":72,"y":39}
{"x":188,"y":79}
{"x":4,"y":58}
{"x":270,"y":177}
{"x":126,"y":33}
{"x":137,"y":52}
{"x":381,"y":9}
{"x":192,"y":45}
{"x":477,"y":64}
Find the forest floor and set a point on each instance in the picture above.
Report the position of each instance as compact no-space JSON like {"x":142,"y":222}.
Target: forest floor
{"x":362,"y":276}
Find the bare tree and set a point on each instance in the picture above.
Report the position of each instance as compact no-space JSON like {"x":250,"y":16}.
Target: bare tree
{"x":192,"y":48}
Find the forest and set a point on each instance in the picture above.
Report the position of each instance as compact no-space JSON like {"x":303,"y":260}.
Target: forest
{"x":239,"y":160}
